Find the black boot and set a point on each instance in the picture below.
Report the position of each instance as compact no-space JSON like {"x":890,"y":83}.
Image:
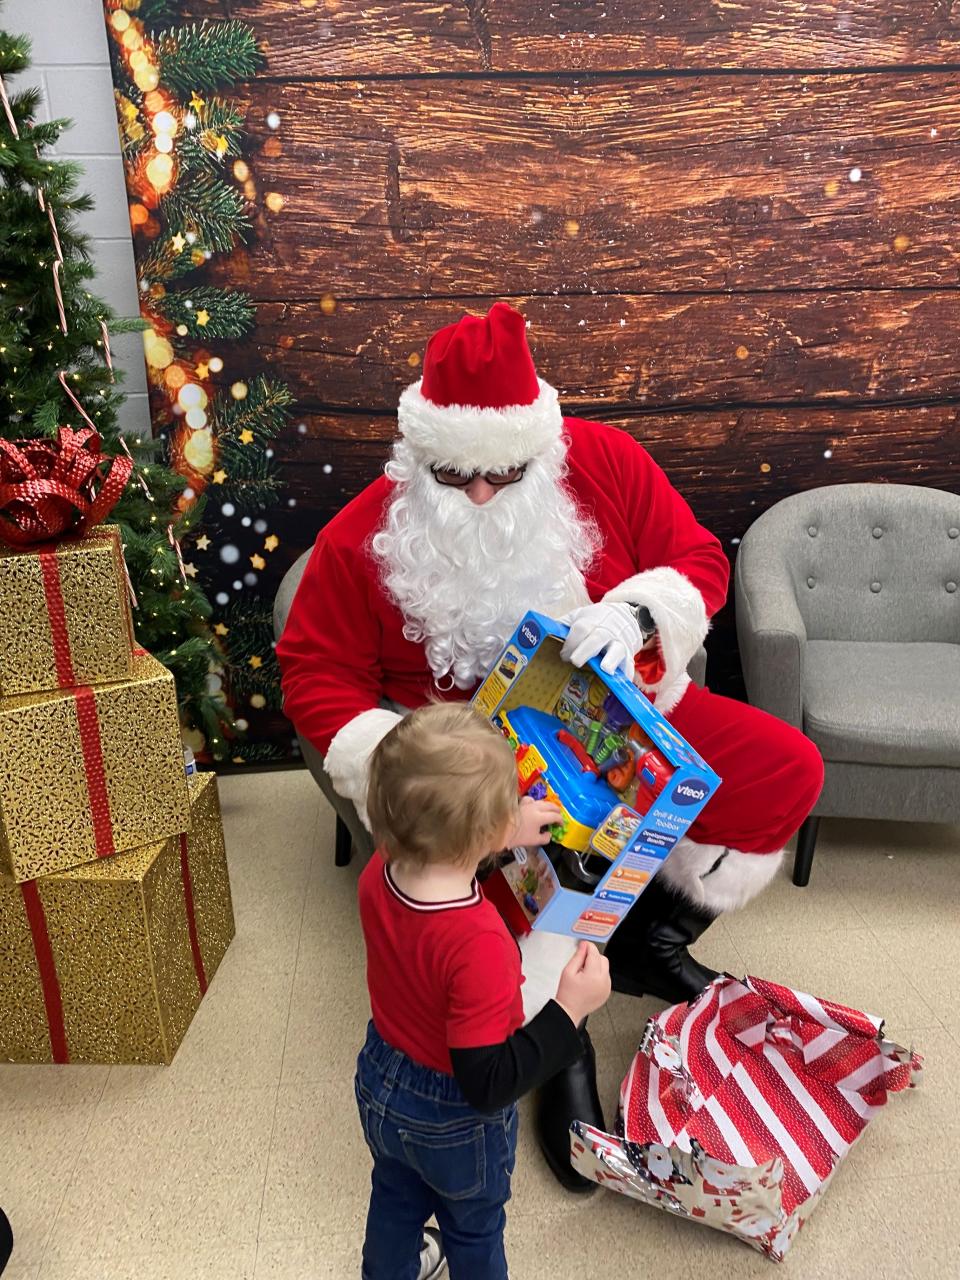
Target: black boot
{"x":648,"y":953}
{"x":570,"y":1095}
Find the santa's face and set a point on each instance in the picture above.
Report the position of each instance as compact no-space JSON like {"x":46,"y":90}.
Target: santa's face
{"x":480,"y":487}
{"x":464,"y":562}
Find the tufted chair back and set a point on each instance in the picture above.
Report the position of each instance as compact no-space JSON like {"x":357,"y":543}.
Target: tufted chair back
{"x":867,"y":561}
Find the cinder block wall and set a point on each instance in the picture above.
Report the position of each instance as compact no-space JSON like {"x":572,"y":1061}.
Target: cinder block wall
{"x":72,"y":68}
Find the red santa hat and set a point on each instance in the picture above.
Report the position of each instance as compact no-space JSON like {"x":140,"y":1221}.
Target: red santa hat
{"x":480,"y":405}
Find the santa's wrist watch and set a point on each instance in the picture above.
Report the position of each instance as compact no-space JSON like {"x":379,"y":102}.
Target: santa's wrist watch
{"x":644,"y":620}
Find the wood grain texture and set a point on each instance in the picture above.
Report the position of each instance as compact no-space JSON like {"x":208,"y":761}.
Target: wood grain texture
{"x":730,"y":465}
{"x":402,"y":37}
{"x":732,"y":225}
{"x":444,"y":188}
{"x":636,"y":351}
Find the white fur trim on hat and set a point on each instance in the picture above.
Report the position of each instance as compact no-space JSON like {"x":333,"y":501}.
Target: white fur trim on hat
{"x":679,"y":612}
{"x":472,"y":439}
{"x":348,"y":759}
{"x":717,"y":877}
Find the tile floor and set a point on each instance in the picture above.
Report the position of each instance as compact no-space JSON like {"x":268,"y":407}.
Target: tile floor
{"x":243,"y":1160}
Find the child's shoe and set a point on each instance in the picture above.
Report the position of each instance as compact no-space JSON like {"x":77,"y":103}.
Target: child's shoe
{"x":433,"y":1263}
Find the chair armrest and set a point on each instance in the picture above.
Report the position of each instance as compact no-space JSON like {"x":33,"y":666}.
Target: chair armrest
{"x":772,"y":637}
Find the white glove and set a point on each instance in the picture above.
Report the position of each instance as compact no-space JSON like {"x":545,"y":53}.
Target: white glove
{"x":610,"y":629}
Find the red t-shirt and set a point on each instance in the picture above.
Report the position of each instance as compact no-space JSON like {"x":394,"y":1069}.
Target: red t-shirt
{"x":441,"y":975}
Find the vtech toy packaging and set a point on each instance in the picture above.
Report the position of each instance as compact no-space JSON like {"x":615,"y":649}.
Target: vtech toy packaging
{"x":628,"y":784}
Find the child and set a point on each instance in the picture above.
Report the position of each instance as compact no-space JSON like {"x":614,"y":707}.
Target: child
{"x":447,"y":1056}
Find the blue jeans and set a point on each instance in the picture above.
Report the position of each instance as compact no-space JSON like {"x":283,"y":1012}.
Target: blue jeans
{"x":432,"y":1154}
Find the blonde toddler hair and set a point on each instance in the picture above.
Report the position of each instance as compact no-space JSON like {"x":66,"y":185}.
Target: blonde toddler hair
{"x":443,"y":786}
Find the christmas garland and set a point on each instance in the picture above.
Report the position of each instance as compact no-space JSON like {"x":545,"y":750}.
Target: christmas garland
{"x":190,"y":192}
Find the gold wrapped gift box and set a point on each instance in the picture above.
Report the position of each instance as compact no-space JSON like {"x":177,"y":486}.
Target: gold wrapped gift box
{"x":66,"y":613}
{"x":85,"y":773}
{"x":108,"y":963}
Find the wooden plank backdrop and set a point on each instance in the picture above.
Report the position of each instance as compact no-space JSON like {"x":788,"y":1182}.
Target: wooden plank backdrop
{"x":732,"y":227}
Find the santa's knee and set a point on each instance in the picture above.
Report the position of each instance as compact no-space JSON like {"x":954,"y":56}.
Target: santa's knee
{"x":796,"y":778}
{"x":808,"y":763}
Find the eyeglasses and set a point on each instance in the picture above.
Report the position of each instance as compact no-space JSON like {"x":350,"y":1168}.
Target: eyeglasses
{"x":458,"y":480}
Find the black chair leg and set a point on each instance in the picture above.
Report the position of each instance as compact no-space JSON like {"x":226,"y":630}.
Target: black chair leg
{"x":344,"y":844}
{"x":806,"y":843}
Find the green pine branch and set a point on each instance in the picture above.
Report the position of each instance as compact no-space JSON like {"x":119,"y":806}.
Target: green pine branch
{"x":225,"y":312}
{"x":14,"y":54}
{"x":257,"y":753}
{"x":162,"y":262}
{"x":199,"y":145}
{"x":206,"y":56}
{"x":253,"y":482}
{"x":208,"y":208}
{"x":152,"y":12}
{"x":264,"y":411}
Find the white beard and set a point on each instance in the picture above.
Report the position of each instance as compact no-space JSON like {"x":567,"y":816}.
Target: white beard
{"x":463,"y":576}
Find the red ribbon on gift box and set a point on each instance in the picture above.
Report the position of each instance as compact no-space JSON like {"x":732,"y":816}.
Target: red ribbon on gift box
{"x":85,"y":704}
{"x":52,"y":489}
{"x":47,"y":967}
{"x":57,"y":615}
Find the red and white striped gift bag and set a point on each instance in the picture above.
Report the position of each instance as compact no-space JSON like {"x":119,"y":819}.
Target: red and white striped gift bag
{"x":738,"y":1107}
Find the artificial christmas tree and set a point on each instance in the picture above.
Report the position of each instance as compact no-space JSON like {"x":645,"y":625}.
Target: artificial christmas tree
{"x":103,"y":958}
{"x":55,"y":369}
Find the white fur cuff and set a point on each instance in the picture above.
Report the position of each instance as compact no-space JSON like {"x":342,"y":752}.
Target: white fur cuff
{"x":679,"y":612}
{"x":472,"y":439}
{"x":738,"y":877}
{"x":348,"y":760}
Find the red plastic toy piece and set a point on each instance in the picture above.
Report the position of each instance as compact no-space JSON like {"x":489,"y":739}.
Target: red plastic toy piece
{"x":566,"y":739}
{"x":527,"y":783}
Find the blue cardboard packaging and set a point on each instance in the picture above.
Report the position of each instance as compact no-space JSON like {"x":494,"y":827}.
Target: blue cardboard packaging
{"x":628,"y":784}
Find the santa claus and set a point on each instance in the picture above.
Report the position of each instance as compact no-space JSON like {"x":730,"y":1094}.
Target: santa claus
{"x":494,"y":503}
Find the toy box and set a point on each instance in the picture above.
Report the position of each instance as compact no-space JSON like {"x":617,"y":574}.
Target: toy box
{"x":628,"y":784}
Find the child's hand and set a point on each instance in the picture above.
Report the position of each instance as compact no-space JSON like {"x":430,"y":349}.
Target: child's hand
{"x":533,"y":815}
{"x":584,"y":984}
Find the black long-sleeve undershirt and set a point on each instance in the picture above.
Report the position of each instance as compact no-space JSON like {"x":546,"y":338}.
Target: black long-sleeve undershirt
{"x":496,"y":1075}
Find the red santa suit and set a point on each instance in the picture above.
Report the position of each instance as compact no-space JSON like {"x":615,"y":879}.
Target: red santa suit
{"x":344,"y":651}
{"x":412,"y":590}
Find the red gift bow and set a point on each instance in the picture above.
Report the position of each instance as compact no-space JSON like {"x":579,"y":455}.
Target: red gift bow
{"x":51,"y":489}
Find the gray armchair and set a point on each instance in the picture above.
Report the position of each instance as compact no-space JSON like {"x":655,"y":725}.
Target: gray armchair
{"x":848,"y":617}
{"x":351,"y":833}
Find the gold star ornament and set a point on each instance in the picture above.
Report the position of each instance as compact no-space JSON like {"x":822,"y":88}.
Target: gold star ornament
{"x":258,"y":561}
{"x":203,"y":542}
{"x":203,"y":317}
{"x":256,"y":662}
{"x":203,"y":370}
{"x":219,"y":477}
{"x":246,"y":436}
{"x":271,"y":543}
{"x":179,"y":242}
{"x":190,"y":569}
{"x":220,"y":629}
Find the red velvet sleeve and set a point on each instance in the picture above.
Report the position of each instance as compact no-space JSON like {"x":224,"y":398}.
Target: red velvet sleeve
{"x":329,"y":652}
